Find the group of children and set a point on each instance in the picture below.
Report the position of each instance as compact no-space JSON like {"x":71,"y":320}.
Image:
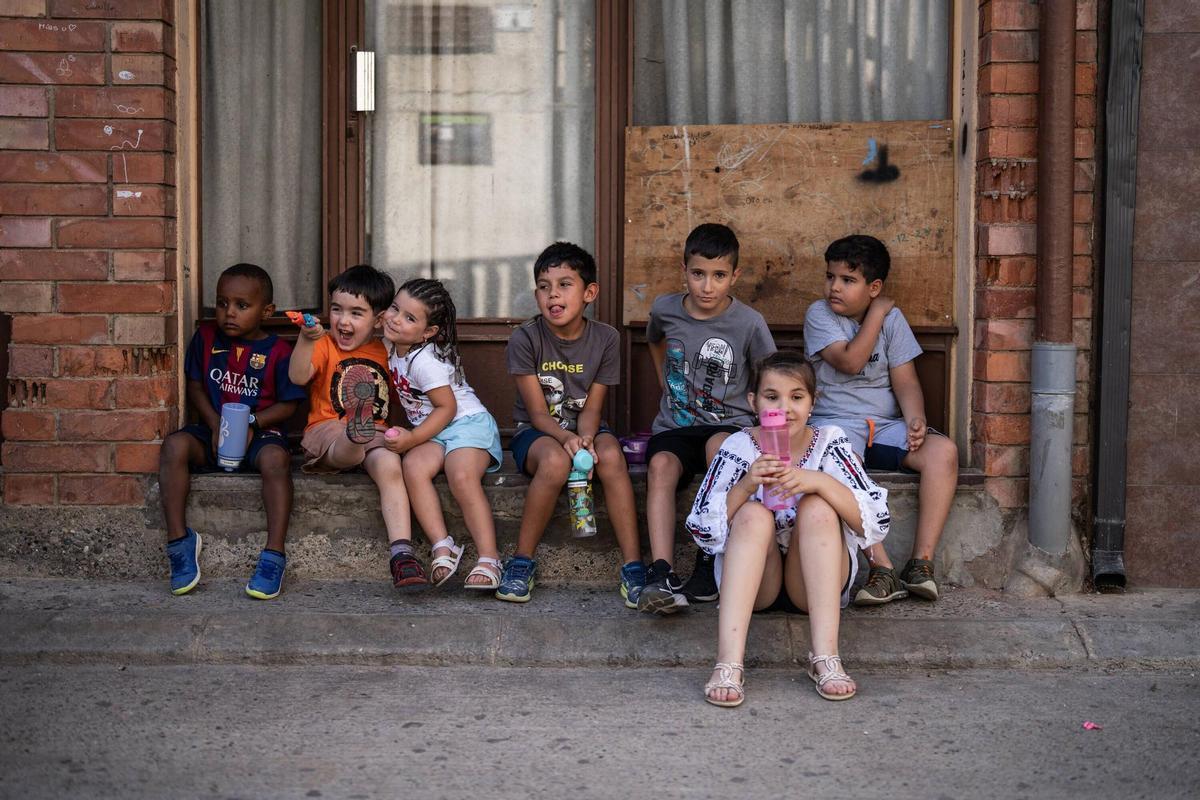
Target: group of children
{"x":852,"y":401}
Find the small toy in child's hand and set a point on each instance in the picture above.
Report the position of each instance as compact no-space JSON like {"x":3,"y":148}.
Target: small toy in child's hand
{"x":301,"y":318}
{"x":391,"y":434}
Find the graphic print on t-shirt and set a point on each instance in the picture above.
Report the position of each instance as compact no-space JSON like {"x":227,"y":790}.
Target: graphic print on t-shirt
{"x":379,"y":400}
{"x":562,"y":408}
{"x":714,"y":369}
{"x":678,"y":389}
{"x":412,"y":399}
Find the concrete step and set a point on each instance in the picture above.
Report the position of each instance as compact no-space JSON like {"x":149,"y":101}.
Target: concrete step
{"x":358,"y":622}
{"x":336,"y":531}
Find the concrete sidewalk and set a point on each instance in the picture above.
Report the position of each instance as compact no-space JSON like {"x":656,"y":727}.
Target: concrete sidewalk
{"x":368,"y":623}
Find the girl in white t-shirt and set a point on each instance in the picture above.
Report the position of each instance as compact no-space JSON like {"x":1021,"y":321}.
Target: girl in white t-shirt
{"x":451,"y":430}
{"x":805,"y":555}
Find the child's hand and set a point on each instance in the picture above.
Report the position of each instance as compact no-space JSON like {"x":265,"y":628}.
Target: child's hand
{"x":763,"y":472}
{"x":916,"y":433}
{"x":883,"y":304}
{"x":313,"y":332}
{"x":574,"y":444}
{"x":795,"y":481}
{"x":216,"y":438}
{"x":590,"y":445}
{"x":398,"y":440}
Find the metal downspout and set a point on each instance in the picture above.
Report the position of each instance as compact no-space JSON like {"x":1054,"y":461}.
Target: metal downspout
{"x":1052,"y":374}
{"x":1121,"y":121}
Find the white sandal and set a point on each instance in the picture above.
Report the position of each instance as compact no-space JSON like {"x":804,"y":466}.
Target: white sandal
{"x":490,"y":568}
{"x":726,"y":681}
{"x":833,"y":672}
{"x":449,"y":562}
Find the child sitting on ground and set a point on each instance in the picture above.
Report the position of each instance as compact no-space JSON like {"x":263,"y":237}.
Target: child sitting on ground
{"x":232,"y":360}
{"x":805,"y":555}
{"x":345,"y":370}
{"x":563,"y":364}
{"x":451,"y":429}
{"x":863,"y":350}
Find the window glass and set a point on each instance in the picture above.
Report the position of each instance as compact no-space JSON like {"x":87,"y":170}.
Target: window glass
{"x":730,"y":61}
{"x":260,"y":79}
{"x":481,"y":145}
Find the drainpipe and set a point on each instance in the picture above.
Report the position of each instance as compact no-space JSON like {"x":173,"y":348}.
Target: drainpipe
{"x":1121,"y":121}
{"x":1052,"y":378}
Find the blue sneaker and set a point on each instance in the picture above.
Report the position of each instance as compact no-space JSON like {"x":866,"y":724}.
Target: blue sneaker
{"x":267,"y":579}
{"x":184,"y":554}
{"x":516,"y":582}
{"x":633,"y":580}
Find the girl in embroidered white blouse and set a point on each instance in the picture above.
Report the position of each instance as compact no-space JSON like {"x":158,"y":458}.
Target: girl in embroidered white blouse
{"x":804,"y":557}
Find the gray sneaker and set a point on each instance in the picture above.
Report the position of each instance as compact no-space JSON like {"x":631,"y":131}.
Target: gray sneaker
{"x":917,"y":577}
{"x":882,"y":587}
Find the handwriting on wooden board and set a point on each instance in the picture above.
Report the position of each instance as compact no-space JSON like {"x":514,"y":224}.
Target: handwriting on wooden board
{"x":788,"y":190}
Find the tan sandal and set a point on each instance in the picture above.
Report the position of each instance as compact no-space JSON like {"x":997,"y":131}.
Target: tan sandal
{"x":489,"y":568}
{"x":447,"y":562}
{"x":833,"y":672}
{"x":726,"y":681}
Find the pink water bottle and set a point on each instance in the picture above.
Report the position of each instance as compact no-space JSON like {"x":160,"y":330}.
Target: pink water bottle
{"x":774,"y":440}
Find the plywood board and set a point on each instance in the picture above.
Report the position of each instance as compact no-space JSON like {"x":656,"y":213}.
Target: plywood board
{"x":788,"y":191}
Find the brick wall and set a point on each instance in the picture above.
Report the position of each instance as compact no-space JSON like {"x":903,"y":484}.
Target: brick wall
{"x":87,"y":236}
{"x":1006,"y":266}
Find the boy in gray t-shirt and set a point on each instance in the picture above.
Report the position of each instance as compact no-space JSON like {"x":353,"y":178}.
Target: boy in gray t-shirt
{"x":862,"y":350}
{"x":703,"y":343}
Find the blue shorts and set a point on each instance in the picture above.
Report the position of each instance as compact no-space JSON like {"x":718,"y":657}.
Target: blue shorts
{"x":478,"y":431}
{"x":524,"y":439}
{"x":250,"y":462}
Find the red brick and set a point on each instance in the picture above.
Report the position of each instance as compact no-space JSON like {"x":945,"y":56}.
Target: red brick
{"x":1008,"y":492}
{"x":1083,"y":210}
{"x":1085,"y":15}
{"x":142,"y":200}
{"x":101,"y":490}
{"x":159,"y":392}
{"x":997,"y":46}
{"x":123,"y":134}
{"x":141,"y":458}
{"x":1008,"y":111}
{"x":24,"y":232}
{"x":1081,"y":460}
{"x":57,"y":68}
{"x":1007,"y":271}
{"x":1008,"y":15}
{"x":1001,"y":398}
{"x":27,"y":426}
{"x":1085,"y":78}
{"x":1007,"y":240}
{"x":143,"y":70}
{"x":115,"y":297}
{"x":53,"y":168}
{"x":141,"y":168}
{"x":33,"y":199}
{"x":20,"y":457}
{"x":1082,"y":240}
{"x":24,"y":8}
{"x":137,"y":37}
{"x":141,"y":265}
{"x":87,"y":362}
{"x":116,"y":102}
{"x":26,"y":298}
{"x":80,"y":393}
{"x":53,"y":265}
{"x":1004,"y":334}
{"x":60,"y":329}
{"x":116,"y":233}
{"x":1085,"y":172}
{"x":1082,"y":270}
{"x":51,"y":34}
{"x":1085,"y":46}
{"x":1008,"y":79}
{"x":23,"y":134}
{"x":147,"y":330}
{"x":23,"y":101}
{"x":1085,"y":112}
{"x":1081,"y":333}
{"x":1004,"y":366}
{"x":994,"y":302}
{"x":111,"y":426}
{"x":30,"y":362}
{"x":111,"y":9}
{"x":1002,"y":428}
{"x":1003,"y":460}
{"x":1003,"y":210}
{"x":1008,"y":143}
{"x":1081,"y":304}
{"x":29,"y":490}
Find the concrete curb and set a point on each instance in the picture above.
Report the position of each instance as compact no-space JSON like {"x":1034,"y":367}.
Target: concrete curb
{"x":566,"y":628}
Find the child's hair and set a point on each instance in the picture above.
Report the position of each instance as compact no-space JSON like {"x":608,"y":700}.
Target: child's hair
{"x":864,"y":253}
{"x":789,"y":362}
{"x":565,"y":254}
{"x":364,"y":281}
{"x":439,"y":307}
{"x":255,"y":273}
{"x":712,"y":240}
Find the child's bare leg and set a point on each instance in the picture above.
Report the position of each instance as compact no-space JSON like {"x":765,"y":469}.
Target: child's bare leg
{"x":937,"y":461}
{"x":750,"y":578}
{"x":548,"y":463}
{"x":465,"y":468}
{"x":385,"y":469}
{"x":713,"y":445}
{"x":878,"y":556}
{"x":662,"y":476}
{"x":275,"y":467}
{"x":421,"y":465}
{"x":178,"y":451}
{"x":815,"y":571}
{"x":344,"y":453}
{"x":618,"y":496}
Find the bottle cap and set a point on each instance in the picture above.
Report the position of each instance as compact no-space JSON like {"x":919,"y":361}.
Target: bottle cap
{"x":583,"y":461}
{"x":773,"y":417}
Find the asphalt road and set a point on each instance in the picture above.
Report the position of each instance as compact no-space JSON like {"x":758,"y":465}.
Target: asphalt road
{"x":363,"y":732}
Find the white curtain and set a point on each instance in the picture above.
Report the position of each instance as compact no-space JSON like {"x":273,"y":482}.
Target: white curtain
{"x":261,"y":143}
{"x":761,"y":61}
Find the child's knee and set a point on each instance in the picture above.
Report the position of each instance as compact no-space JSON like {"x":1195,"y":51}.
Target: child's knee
{"x":664,"y":466}
{"x":175,"y":450}
{"x":274,"y":463}
{"x":553,"y":465}
{"x":753,"y":516}
{"x":812,"y":510}
{"x":461,"y":477}
{"x":612,"y":460}
{"x":941,"y":458}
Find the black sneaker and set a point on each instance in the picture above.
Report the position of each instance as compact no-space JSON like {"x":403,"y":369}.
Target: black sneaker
{"x":702,"y":586}
{"x":882,"y":587}
{"x":664,"y":591}
{"x":917,"y":577}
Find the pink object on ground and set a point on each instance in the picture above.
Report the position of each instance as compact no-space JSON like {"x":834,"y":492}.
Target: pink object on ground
{"x":1091,"y":726}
